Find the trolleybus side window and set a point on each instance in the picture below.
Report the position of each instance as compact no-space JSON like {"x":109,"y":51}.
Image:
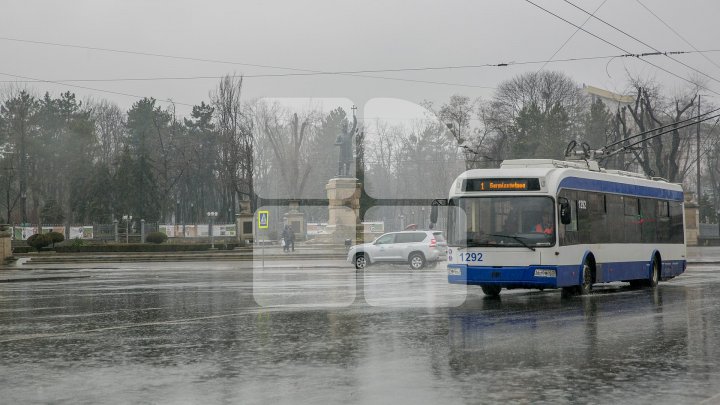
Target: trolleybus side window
{"x":615,"y":217}
{"x":677,"y":231}
{"x":632,"y":220}
{"x":663,"y":222}
{"x":648,"y":220}
{"x":583,"y":217}
{"x":597,"y":231}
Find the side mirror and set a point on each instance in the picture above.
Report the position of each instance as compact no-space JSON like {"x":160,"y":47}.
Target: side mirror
{"x":565,"y":217}
{"x":434,"y":211}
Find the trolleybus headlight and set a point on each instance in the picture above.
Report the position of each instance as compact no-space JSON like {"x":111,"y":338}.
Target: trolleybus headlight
{"x":454,"y":271}
{"x":544,"y":273}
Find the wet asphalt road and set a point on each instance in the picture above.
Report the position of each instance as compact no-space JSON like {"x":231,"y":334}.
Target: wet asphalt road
{"x":235,"y":332}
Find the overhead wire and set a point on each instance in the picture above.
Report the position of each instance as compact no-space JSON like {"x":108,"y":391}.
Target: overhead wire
{"x":641,"y":41}
{"x":660,"y":128}
{"x":620,"y":48}
{"x":571,"y":36}
{"x":302,"y":72}
{"x":677,"y":33}
{"x":306,"y":71}
{"x":270,"y":75}
{"x":427,"y":68}
{"x":94,"y":89}
{"x":707,"y":148}
{"x":626,"y":147}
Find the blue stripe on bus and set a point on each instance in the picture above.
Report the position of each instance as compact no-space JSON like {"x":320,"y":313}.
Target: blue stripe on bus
{"x":568,"y":275}
{"x":619,"y":188}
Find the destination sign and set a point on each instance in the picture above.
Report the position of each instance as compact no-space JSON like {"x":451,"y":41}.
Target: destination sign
{"x":501,"y":185}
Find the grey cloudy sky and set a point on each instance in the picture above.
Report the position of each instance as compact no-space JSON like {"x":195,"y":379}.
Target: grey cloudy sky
{"x":335,"y":35}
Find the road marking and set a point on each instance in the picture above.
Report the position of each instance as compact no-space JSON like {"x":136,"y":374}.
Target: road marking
{"x":135,"y":325}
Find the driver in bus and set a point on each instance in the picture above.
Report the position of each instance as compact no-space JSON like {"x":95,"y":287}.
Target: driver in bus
{"x":545,"y":225}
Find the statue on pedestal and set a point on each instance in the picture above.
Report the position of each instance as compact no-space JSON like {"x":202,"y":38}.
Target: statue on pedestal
{"x":345,"y":141}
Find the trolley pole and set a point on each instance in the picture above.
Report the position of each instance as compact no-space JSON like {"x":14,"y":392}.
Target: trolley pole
{"x":697,"y":152}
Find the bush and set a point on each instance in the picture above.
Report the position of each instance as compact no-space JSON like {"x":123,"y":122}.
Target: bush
{"x":39,"y":241}
{"x":156,"y":237}
{"x":77,"y":242}
{"x":139,"y":247}
{"x":55,"y":237}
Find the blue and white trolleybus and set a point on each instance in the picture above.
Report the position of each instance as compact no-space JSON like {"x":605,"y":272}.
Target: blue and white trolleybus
{"x":541,"y":223}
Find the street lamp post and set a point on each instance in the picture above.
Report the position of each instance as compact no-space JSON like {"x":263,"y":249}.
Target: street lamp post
{"x":211,"y":216}
{"x":127,"y":219}
{"x":23,"y":197}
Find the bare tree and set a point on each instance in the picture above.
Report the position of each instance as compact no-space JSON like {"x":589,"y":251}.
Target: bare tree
{"x":288,"y":134}
{"x":659,"y":154}
{"x":171,"y":161}
{"x":235,"y":127}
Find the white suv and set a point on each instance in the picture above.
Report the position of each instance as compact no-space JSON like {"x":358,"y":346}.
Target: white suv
{"x":416,"y":248}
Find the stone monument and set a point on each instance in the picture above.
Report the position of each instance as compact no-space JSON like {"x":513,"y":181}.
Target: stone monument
{"x":692,"y":219}
{"x":244,"y":222}
{"x":343,"y":208}
{"x":343,"y":193}
{"x":295,"y":219}
{"x":6,"y":242}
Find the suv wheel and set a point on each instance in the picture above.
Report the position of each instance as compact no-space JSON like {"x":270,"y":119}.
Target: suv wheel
{"x":417,"y":261}
{"x":361,"y":261}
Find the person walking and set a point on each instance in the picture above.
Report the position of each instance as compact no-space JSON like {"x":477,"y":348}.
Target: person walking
{"x":285,"y":239}
{"x":291,"y":238}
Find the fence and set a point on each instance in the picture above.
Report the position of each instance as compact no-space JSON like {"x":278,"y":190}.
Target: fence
{"x":709,"y":234}
{"x":125,"y":232}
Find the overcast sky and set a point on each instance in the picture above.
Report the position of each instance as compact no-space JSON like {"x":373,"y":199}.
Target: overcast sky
{"x":344,"y":36}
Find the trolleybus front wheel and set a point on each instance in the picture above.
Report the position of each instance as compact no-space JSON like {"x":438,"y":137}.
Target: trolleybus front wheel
{"x":491,"y":290}
{"x":585,"y":286}
{"x":587,"y":280}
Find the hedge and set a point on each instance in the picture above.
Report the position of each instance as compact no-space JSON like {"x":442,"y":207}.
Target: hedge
{"x":134,"y":247}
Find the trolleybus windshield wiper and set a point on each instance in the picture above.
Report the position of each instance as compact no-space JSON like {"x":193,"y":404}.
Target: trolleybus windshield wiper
{"x":517,"y":238}
{"x":474,"y":243}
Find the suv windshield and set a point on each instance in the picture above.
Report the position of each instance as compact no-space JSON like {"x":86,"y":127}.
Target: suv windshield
{"x":501,"y":221}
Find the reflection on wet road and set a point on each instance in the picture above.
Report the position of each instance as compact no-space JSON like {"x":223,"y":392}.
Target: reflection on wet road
{"x":232,"y":332}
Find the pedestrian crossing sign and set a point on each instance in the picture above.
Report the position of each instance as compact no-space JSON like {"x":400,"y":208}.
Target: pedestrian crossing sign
{"x":263,"y":219}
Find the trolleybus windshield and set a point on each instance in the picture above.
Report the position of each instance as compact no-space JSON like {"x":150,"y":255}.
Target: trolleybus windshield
{"x":502,"y":221}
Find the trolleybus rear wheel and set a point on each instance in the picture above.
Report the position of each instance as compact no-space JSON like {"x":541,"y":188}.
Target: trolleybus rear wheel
{"x":654,"y":275}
